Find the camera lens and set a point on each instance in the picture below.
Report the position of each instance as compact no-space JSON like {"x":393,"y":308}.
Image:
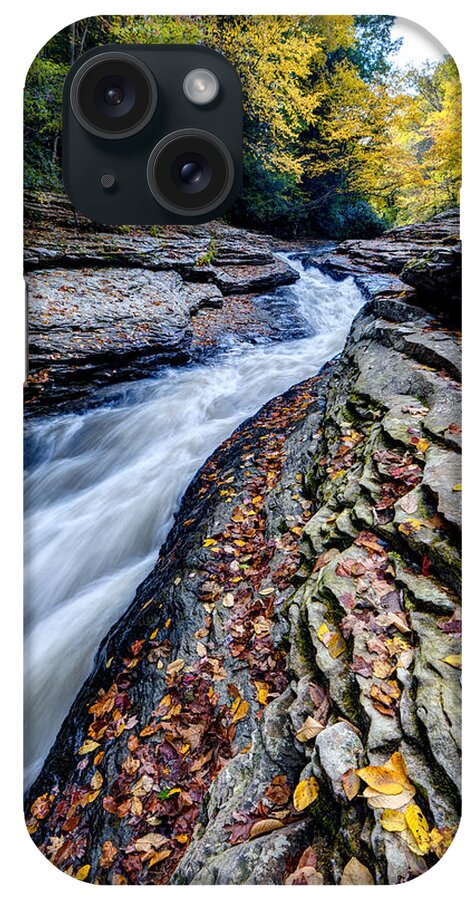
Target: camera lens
{"x":113,"y":95}
{"x":190,"y":172}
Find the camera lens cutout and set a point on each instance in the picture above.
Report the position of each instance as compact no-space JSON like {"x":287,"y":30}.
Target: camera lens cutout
{"x":113,"y":95}
{"x":190,"y":172}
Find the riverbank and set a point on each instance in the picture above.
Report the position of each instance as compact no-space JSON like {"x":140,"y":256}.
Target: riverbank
{"x":150,"y":298}
{"x":106,"y":306}
{"x":302,"y":621}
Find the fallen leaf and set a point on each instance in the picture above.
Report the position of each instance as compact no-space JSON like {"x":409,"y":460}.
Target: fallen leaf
{"x":108,"y":853}
{"x":151,"y":841}
{"x":156,"y":857}
{"x":418,"y":826}
{"x":305,"y":793}
{"x":309,"y":729}
{"x":336,"y":645}
{"x":263,"y":826}
{"x":96,"y":781}
{"x":88,"y":747}
{"x":356,"y":873}
{"x":322,"y":632}
{"x":305,"y":875}
{"x":83,"y":873}
{"x":175,"y":666}
{"x":384,"y":801}
{"x":351,"y":783}
{"x":241,"y":710}
{"x":383,"y":779}
{"x":278,"y":792}
{"x":42,"y":805}
{"x":393,"y":820}
{"x":454,"y":661}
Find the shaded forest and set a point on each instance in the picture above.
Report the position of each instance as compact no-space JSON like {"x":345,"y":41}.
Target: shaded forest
{"x":338,"y":141}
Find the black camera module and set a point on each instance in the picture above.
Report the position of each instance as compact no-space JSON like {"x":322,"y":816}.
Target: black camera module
{"x":113,"y":95}
{"x":190,"y":172}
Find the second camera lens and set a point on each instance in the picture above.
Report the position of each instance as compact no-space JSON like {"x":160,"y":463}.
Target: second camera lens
{"x":190,"y":172}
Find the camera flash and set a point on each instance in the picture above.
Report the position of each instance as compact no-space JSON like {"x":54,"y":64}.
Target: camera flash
{"x":201,"y":86}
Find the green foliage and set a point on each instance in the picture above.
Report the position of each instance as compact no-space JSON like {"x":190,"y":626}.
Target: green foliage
{"x":336,"y":141}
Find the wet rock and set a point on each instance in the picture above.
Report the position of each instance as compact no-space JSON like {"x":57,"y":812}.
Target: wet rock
{"x":337,"y":749}
{"x":108,"y":305}
{"x":437,"y":274}
{"x":420,"y":261}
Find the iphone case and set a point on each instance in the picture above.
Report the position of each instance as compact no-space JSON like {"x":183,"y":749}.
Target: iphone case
{"x":242,"y":479}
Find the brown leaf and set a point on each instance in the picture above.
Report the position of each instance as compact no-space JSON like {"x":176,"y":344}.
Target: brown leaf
{"x":305,"y":875}
{"x":263,"y":826}
{"x":310,"y":728}
{"x":278,"y":792}
{"x":356,"y":873}
{"x":108,"y":853}
{"x":376,"y":800}
{"x":351,"y":783}
{"x":151,"y":841}
{"x":42,"y":806}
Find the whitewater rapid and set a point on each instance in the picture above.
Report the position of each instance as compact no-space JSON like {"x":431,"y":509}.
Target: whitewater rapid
{"x":102,"y":487}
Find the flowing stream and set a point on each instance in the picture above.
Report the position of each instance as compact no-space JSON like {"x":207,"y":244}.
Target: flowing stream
{"x":102,"y":487}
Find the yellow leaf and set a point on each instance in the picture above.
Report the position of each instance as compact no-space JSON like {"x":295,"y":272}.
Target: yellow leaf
{"x":96,"y":781}
{"x":241,"y":710}
{"x":336,"y":645}
{"x":264,"y":826}
{"x":454,"y":661}
{"x":419,"y":827}
{"x":322,"y":631}
{"x":410,"y":840}
{"x":83,"y":873}
{"x":156,"y":857}
{"x":153,"y":634}
{"x":397,"y":763}
{"x":209,"y":542}
{"x":356,"y":873}
{"x":88,"y":747}
{"x":410,"y":525}
{"x":88,"y":798}
{"x":262,"y":690}
{"x":305,"y":793}
{"x":382,"y":779}
{"x":422,"y":445}
{"x":457,"y":487}
{"x":393,"y":820}
{"x":181,"y":838}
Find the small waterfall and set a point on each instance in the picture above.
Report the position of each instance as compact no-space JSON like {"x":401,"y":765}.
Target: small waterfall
{"x":102,"y":488}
